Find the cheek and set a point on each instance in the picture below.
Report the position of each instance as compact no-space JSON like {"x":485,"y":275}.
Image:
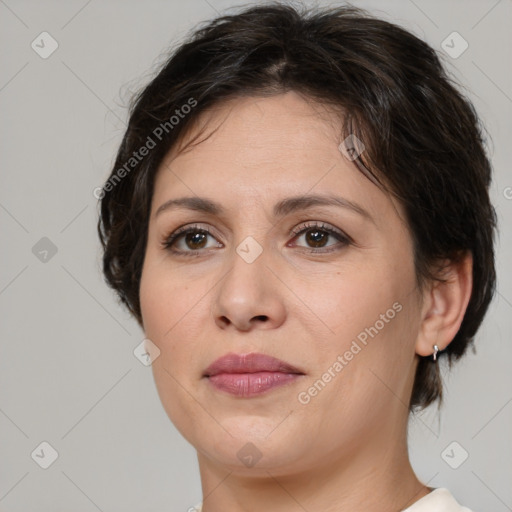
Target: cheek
{"x":154,"y":303}
{"x":166,"y":298}
{"x":170,"y":309}
{"x":371,"y":317}
{"x":175,"y":309}
{"x":348,"y":302}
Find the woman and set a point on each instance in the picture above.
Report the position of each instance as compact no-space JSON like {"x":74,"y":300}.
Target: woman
{"x":299,"y":219}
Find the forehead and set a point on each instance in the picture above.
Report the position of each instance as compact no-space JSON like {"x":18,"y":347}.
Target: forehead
{"x":262,"y":127}
{"x":252,"y":148}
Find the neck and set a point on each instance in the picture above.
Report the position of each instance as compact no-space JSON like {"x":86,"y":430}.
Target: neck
{"x":376,"y":477}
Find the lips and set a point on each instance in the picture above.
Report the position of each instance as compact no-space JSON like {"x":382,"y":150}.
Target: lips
{"x":248,"y":375}
{"x":249,"y":363}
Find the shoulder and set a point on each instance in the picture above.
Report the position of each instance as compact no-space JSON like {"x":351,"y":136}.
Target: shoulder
{"x":439,"y":500}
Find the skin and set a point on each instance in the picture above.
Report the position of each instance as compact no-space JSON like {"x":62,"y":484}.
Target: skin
{"x":346,"y":448}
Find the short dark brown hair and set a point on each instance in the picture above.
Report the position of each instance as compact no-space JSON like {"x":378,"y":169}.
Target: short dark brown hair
{"x":423,"y":140}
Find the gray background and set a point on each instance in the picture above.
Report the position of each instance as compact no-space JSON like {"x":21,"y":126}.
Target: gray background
{"x":68,"y":375}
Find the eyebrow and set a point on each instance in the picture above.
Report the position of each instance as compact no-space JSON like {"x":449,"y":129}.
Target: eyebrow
{"x":281,"y":209}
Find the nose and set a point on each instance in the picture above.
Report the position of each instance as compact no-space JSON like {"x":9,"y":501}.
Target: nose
{"x":248,"y":296}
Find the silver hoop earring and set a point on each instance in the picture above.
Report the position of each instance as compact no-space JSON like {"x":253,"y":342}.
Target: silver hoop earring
{"x":436,"y":350}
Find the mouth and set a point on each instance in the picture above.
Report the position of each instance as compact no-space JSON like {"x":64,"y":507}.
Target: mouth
{"x":247,"y":375}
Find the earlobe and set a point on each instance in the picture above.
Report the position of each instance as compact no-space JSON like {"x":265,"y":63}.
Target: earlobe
{"x":445,"y":304}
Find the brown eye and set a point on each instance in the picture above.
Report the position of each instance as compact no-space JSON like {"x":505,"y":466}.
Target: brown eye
{"x":189,"y":241}
{"x":195,"y":240}
{"x":318,"y":237}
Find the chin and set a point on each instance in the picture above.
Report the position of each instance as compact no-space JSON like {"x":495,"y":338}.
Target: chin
{"x":256,"y":445}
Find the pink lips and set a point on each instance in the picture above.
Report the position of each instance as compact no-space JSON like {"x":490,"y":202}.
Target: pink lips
{"x":250,"y":374}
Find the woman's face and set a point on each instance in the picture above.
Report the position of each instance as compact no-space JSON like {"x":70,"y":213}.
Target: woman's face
{"x":327,"y":287}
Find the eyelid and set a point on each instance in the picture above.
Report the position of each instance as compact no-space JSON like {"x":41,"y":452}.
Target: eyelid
{"x":322,"y":226}
{"x":170,"y":240}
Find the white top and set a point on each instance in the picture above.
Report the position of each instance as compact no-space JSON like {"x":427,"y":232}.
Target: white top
{"x":439,"y":500}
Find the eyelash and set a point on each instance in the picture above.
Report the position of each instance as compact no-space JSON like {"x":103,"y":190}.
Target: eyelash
{"x":171,"y":239}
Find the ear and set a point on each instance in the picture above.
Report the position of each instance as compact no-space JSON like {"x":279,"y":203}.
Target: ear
{"x":444,"y":305}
